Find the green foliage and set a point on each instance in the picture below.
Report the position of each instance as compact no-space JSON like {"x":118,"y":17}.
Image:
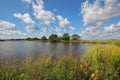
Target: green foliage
{"x":75,"y":37}
{"x":1,"y":40}
{"x":32,"y":38}
{"x":66,"y":36}
{"x":54,"y":38}
{"x":43,"y":38}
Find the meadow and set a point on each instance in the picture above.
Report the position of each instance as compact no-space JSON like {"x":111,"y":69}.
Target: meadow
{"x":101,"y":62}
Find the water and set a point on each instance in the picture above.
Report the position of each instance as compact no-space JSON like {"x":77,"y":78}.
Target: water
{"x":23,"y":49}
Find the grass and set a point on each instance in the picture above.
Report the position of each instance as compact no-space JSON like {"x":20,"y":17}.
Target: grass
{"x":101,"y":62}
{"x":113,"y":42}
{"x":116,"y":42}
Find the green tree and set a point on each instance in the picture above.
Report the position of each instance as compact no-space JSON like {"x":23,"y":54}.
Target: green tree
{"x":35,"y":38}
{"x":75,"y":37}
{"x":54,"y":37}
{"x":32,"y":38}
{"x":43,"y":38}
{"x":66,"y":36}
{"x":28,"y":38}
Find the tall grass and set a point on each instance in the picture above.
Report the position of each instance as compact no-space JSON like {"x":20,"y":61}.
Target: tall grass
{"x":101,"y":62}
{"x":104,"y":61}
{"x":116,"y":42}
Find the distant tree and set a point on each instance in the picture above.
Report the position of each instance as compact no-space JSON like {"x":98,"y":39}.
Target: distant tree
{"x":1,"y":40}
{"x":32,"y":38}
{"x":75,"y":37}
{"x":35,"y":38}
{"x":43,"y":38}
{"x":28,"y":38}
{"x":54,"y":37}
{"x":66,"y":36}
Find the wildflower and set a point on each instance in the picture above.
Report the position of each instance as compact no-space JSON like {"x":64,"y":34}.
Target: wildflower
{"x":92,"y":75}
{"x":86,"y":73}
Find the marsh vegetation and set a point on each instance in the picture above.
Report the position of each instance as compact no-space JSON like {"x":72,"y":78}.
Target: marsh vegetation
{"x":100,"y":62}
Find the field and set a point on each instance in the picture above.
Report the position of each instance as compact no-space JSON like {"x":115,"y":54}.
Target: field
{"x":101,"y":62}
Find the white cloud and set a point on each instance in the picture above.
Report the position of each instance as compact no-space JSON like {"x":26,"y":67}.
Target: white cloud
{"x":72,"y":29}
{"x":7,"y":25}
{"x":55,"y":10}
{"x":25,"y":18}
{"x":63,"y":22}
{"x":27,"y":1}
{"x":11,"y":32}
{"x":30,"y":24}
{"x":9,"y":29}
{"x":112,"y":28}
{"x":45,"y":32}
{"x":95,"y":14}
{"x":108,"y":32}
{"x":47,"y":17}
{"x":56,"y":29}
{"x":112,"y":31}
{"x":44,"y":29}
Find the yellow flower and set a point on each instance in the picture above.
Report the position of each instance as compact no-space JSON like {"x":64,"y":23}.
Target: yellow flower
{"x":92,"y":75}
{"x":85,"y":73}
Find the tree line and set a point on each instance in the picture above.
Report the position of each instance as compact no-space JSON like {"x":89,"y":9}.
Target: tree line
{"x":56,"y":38}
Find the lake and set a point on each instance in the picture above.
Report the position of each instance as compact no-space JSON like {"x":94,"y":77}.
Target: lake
{"x":24,"y":49}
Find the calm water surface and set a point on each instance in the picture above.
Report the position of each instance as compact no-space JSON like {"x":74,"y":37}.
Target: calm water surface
{"x":23,"y":49}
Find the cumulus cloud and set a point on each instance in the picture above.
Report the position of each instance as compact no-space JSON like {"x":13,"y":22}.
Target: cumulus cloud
{"x":111,"y":31}
{"x":47,"y":17}
{"x":108,"y":32}
{"x":56,"y":29}
{"x":25,"y":18}
{"x":27,"y":1}
{"x":30,"y":24}
{"x":63,"y":22}
{"x":72,"y":29}
{"x":112,"y":28}
{"x":11,"y":32}
{"x":7,"y":25}
{"x":101,"y":10}
{"x":95,"y":14}
{"x":55,"y":10}
{"x":8,"y":29}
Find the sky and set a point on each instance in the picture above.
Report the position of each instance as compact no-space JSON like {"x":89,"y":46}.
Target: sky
{"x":91,"y":19}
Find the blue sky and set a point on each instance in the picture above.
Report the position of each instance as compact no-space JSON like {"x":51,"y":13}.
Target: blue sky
{"x":91,"y":19}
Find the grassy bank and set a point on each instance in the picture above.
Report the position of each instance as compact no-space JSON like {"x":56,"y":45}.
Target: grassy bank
{"x":116,"y":42}
{"x":101,"y":62}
